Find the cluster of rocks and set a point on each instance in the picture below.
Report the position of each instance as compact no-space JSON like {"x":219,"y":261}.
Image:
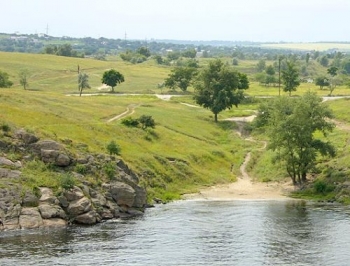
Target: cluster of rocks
{"x":21,"y":208}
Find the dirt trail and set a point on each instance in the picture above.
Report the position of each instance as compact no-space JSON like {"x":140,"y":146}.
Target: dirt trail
{"x":245,"y":188}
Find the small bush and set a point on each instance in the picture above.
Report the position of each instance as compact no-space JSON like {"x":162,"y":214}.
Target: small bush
{"x":67,"y":181}
{"x":81,"y":169}
{"x":113,"y":148}
{"x":110,"y":170}
{"x":322,"y":187}
{"x":5,"y":127}
{"x":130,"y":122}
{"x":147,"y":121}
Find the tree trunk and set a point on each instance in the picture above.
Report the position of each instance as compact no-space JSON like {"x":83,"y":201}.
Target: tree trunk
{"x":216,"y":117}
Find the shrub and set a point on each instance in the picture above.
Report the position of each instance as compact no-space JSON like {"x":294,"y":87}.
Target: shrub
{"x":322,"y":187}
{"x":113,"y":148}
{"x":5,"y":127}
{"x":67,"y":181}
{"x":147,"y":121}
{"x":81,"y":169}
{"x":110,"y":170}
{"x":130,"y":122}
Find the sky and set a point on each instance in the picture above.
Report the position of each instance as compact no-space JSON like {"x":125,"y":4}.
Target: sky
{"x":228,"y":20}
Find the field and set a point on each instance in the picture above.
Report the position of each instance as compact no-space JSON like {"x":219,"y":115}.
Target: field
{"x":185,"y":151}
{"x":309,"y":46}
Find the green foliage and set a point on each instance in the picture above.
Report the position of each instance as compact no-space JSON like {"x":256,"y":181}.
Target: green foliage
{"x":4,"y":80}
{"x":62,"y":50}
{"x":110,"y":170}
{"x":112,"y":78}
{"x":23,"y":78}
{"x":292,"y":124}
{"x":290,"y":78}
{"x":67,"y":181}
{"x":322,"y":187}
{"x":144,"y":51}
{"x":147,"y":121}
{"x":180,"y":77}
{"x":113,"y":148}
{"x":261,"y":65}
{"x":83,"y":82}
{"x":81,"y":169}
{"x":130,"y":122}
{"x":5,"y":127}
{"x":219,"y":87}
{"x":322,"y":81}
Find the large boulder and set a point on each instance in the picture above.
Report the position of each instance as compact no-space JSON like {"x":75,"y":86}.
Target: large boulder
{"x":47,"y":196}
{"x":56,"y":157}
{"x":26,"y":137}
{"x":123,"y":194}
{"x":51,"y":211}
{"x":90,"y":217}
{"x":30,"y":218}
{"x":54,"y":223}
{"x":46,"y":145}
{"x":30,"y":200}
{"x":79,"y":206}
{"x":11,"y":174}
{"x":73,"y":194}
{"x":140,"y":197}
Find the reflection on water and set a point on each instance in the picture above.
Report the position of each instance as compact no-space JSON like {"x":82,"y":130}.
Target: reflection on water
{"x":195,"y":233}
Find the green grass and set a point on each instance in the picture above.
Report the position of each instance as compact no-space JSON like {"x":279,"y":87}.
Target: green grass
{"x":184,"y":152}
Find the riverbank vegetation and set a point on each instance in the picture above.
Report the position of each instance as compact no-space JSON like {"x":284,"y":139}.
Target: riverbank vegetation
{"x":186,"y":149}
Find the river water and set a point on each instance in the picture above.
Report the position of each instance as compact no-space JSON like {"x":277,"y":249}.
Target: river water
{"x":195,"y":233}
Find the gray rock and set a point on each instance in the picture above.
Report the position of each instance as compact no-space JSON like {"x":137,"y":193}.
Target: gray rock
{"x":30,"y":218}
{"x":47,"y":196}
{"x":63,"y":201}
{"x":79,"y":206}
{"x":51,"y":211}
{"x":7,"y":173}
{"x":122,"y":193}
{"x":140,"y":197}
{"x":90,"y":217}
{"x":26,"y":137}
{"x":6,"y":162}
{"x":62,"y":160}
{"x":30,"y":200}
{"x":55,"y":223}
{"x":73,"y":194}
{"x":46,"y":145}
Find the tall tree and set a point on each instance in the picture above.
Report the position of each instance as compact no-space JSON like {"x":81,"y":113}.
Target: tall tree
{"x":332,"y":71}
{"x":4,"y":80}
{"x":83,"y":82}
{"x":219,"y":87}
{"x":290,"y":78}
{"x":291,"y":125}
{"x":112,"y":78}
{"x":23,"y":78}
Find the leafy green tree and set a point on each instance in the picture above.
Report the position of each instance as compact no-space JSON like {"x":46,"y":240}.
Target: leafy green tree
{"x":4,"y":80}
{"x":270,"y":70}
{"x":146,"y":121}
{"x":112,"y":78}
{"x":332,"y":71}
{"x":324,"y":61}
{"x":290,"y":78}
{"x":23,"y":78}
{"x":144,"y":51}
{"x":261,"y":65}
{"x":346,"y":66}
{"x":322,"y":81}
{"x":220,"y":87}
{"x":291,"y":125}
{"x":159,"y":59}
{"x":235,"y":61}
{"x":83,"y":82}
{"x":180,"y":77}
{"x":307,"y":58}
{"x":189,"y":53}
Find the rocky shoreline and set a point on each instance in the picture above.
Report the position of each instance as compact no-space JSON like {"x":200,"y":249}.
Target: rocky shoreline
{"x":85,"y":202}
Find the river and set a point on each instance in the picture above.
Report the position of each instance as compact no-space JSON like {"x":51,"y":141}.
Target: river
{"x":195,"y":233}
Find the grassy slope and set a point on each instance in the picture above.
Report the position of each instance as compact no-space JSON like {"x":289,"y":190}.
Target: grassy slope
{"x":186,"y":150}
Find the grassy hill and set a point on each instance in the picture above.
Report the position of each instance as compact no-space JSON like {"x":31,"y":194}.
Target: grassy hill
{"x":185,"y":151}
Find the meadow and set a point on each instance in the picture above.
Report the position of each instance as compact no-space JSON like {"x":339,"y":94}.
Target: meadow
{"x":184,"y":152}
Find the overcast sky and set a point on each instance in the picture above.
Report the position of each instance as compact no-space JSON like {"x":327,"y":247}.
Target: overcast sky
{"x":232,"y":20}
